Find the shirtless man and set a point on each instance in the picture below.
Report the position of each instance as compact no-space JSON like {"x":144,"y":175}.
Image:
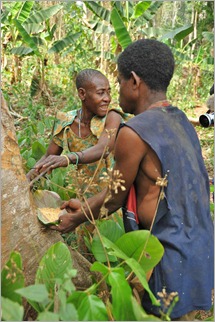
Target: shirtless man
{"x":160,"y":141}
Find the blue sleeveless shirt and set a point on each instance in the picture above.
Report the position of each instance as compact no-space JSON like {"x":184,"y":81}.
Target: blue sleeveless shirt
{"x":183,"y":222}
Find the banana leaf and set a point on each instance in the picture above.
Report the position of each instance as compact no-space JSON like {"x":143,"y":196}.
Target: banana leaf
{"x":43,"y":15}
{"x":120,"y":29}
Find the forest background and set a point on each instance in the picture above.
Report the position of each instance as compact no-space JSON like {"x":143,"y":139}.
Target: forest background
{"x":46,"y":43}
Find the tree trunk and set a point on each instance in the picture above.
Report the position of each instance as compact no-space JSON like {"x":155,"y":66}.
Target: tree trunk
{"x":21,"y":230}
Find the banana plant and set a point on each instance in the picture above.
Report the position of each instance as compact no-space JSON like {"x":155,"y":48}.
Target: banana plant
{"x":129,"y":20}
{"x":124,"y":18}
{"x":32,"y":32}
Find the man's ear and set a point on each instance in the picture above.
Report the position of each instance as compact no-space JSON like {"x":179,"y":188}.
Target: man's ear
{"x":82,"y":93}
{"x":135,"y":79}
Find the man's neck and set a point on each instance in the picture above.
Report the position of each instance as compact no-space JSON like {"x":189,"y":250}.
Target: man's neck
{"x":148,"y":102}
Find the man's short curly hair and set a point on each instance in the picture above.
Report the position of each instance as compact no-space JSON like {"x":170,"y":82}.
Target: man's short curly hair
{"x":87,"y":75}
{"x":151,"y":60}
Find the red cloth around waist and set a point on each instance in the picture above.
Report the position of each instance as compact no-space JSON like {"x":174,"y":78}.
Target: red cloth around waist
{"x":131,"y":204}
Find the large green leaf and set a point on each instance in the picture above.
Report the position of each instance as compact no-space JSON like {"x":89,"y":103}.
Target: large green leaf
{"x":121,"y":297}
{"x":26,"y":37}
{"x":111,"y":230}
{"x":21,"y":51}
{"x":44,"y":14}
{"x":37,"y":293}
{"x":15,"y":10}
{"x":99,"y":252}
{"x":92,"y":308}
{"x":178,"y":33}
{"x":140,"y":8}
{"x":33,"y":28}
{"x":68,"y":313}
{"x":24,"y":11}
{"x":120,"y":29}
{"x":134,"y":243}
{"x":132,"y":263}
{"x":140,"y":314}
{"x":63,"y":43}
{"x":12,"y":278}
{"x":48,"y":316}
{"x":99,"y":267}
{"x":54,"y":264}
{"x":148,"y":15}
{"x":140,"y":273}
{"x":98,"y":10}
{"x":11,"y":311}
{"x":102,"y":28}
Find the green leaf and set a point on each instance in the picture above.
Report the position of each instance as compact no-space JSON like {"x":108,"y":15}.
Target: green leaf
{"x":111,"y":230}
{"x":99,"y":252}
{"x":63,"y":43}
{"x":101,"y":28}
{"x":98,"y":10}
{"x":120,"y":29}
{"x":54,"y":264}
{"x":44,"y":14}
{"x":24,"y":11}
{"x":15,"y":9}
{"x":26,"y":37}
{"x":121,"y":297}
{"x":133,"y":264}
{"x":134,"y":243}
{"x":92,"y":308}
{"x":140,"y":314}
{"x":33,"y":28}
{"x":11,"y":311}
{"x":34,"y":88}
{"x":148,"y":14}
{"x":37,"y":293}
{"x":12,"y":278}
{"x":76,"y":298}
{"x":68,"y":313}
{"x":178,"y":33}
{"x":140,"y":8}
{"x":48,"y":316}
{"x":51,"y":32}
{"x":99,"y":267}
{"x":41,"y":130}
{"x":209,"y":36}
{"x":38,"y":150}
{"x":140,"y":273}
{"x":21,"y":51}
{"x":31,"y":162}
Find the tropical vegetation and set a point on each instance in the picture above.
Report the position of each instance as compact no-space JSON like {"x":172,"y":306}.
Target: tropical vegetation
{"x":44,"y":45}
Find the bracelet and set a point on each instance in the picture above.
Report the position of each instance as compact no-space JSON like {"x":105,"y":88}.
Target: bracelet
{"x":82,"y":156}
{"x":77,"y":157}
{"x":63,"y":155}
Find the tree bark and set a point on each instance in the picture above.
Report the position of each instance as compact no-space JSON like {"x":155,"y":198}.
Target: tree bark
{"x":21,"y":230}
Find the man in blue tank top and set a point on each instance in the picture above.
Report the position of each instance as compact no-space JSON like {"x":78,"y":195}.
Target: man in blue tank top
{"x":159,"y":142}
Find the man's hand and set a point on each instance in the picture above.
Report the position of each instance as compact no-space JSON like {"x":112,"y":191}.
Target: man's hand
{"x":72,"y":219}
{"x":52,"y":162}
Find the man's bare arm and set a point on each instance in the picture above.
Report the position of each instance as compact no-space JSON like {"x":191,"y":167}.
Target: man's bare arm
{"x":129,"y":151}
